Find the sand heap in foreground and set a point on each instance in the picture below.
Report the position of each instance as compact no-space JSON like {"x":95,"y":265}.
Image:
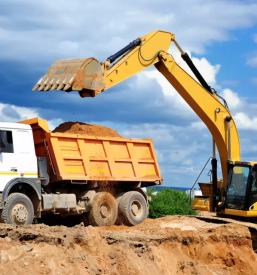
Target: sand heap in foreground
{"x":86,"y":129}
{"x":170,"y":245}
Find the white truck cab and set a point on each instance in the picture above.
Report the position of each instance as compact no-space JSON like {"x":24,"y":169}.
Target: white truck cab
{"x":17,"y":153}
{"x":20,"y":185}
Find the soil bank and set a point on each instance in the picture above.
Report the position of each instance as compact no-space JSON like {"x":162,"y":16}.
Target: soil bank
{"x":169,"y":245}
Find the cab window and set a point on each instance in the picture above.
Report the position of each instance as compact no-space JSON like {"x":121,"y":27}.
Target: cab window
{"x":237,"y":188}
{"x":6,"y":142}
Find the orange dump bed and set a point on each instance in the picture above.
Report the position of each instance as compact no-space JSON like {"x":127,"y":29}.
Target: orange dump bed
{"x":80,"y":157}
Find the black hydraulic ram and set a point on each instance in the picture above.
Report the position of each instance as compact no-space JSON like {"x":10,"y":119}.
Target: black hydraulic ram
{"x":130,"y":46}
{"x":191,"y":65}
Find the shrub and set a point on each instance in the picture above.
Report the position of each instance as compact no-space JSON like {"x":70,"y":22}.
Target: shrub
{"x":168,"y":202}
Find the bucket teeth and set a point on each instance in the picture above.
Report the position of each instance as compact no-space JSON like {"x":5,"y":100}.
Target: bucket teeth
{"x":39,"y":83}
{"x":47,"y":87}
{"x":35,"y":87}
{"x":41,"y":88}
{"x":67,"y":86}
{"x":60,"y":87}
{"x":54,"y":87}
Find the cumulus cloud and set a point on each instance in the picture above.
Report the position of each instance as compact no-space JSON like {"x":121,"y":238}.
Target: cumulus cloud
{"x":243,"y":121}
{"x":232,"y":98}
{"x":12,"y":113}
{"x":198,"y":125}
{"x":81,"y":29}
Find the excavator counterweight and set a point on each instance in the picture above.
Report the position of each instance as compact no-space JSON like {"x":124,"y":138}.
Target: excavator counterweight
{"x":82,"y":74}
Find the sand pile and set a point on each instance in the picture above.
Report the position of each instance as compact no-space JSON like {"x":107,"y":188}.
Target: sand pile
{"x":86,"y":129}
{"x":167,"y":246}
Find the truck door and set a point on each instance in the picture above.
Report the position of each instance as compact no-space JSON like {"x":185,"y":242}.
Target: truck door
{"x":26,"y":157}
{"x":8,"y":160}
{"x":237,"y":188}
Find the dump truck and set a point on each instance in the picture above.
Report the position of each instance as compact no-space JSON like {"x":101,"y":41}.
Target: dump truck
{"x":98,"y":178}
{"x":236,"y":193}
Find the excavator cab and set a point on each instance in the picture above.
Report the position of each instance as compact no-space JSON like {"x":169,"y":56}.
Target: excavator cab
{"x":237,"y":187}
{"x":82,"y":74}
{"x":237,"y":198}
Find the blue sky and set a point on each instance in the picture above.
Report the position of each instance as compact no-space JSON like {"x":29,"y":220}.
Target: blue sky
{"x":220,"y":35}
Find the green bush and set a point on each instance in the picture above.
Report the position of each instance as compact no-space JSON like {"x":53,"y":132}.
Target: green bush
{"x":168,"y":202}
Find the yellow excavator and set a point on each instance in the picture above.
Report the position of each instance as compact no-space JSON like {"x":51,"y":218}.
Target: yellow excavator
{"x":236,"y":193}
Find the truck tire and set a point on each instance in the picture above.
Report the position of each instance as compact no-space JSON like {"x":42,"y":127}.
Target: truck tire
{"x":132,"y":208}
{"x":104,"y":210}
{"x":18,"y":210}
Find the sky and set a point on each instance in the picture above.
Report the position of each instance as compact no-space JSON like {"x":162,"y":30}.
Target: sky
{"x":220,"y":36}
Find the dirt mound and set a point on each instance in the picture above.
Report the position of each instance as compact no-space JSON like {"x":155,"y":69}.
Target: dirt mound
{"x":170,"y":245}
{"x":86,"y":129}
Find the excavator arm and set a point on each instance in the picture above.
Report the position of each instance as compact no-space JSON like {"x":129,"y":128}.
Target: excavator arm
{"x":90,"y":77}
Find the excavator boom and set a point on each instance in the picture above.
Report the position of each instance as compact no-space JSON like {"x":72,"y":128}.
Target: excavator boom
{"x":90,"y":77}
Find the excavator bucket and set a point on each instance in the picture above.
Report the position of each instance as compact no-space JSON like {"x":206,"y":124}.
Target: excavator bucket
{"x":82,"y":74}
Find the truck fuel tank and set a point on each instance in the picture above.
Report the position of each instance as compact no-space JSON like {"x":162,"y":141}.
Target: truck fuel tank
{"x":58,"y":201}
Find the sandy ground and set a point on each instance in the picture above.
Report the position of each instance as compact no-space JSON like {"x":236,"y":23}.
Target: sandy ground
{"x":170,"y":245}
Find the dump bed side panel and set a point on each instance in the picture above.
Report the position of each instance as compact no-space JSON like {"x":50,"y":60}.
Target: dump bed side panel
{"x":79,"y":157}
{"x":82,"y":157}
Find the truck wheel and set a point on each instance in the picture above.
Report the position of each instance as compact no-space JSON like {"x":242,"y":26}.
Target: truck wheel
{"x":132,"y":208}
{"x":104,"y":210}
{"x":18,"y":210}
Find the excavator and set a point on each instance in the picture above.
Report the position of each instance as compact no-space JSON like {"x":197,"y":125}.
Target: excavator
{"x":236,"y":193}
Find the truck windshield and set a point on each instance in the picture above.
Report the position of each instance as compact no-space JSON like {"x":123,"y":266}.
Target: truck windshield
{"x":237,"y":187}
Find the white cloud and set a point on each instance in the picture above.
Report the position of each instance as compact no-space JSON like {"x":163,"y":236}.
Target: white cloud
{"x":12,"y":113}
{"x":255,"y":38}
{"x":182,"y":155}
{"x":244,"y":122}
{"x":232,"y":98}
{"x":198,"y":125}
{"x":177,"y":103}
{"x":87,"y":29}
{"x":161,"y":133}
{"x":207,"y":70}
